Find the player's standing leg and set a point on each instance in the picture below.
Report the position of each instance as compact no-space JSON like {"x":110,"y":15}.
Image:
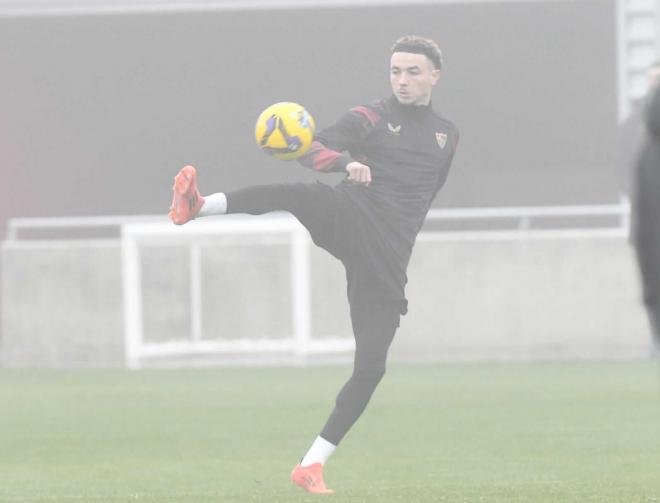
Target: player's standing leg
{"x":374,"y":326}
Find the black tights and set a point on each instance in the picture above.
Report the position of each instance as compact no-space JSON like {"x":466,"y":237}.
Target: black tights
{"x":374,"y":326}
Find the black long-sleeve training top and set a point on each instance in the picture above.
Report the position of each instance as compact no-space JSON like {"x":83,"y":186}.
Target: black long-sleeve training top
{"x":409,"y":150}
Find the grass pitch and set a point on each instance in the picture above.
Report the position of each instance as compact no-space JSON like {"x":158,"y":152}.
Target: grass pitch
{"x":570,"y":432}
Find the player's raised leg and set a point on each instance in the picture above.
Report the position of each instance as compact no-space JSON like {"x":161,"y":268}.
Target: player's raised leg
{"x":313,"y":204}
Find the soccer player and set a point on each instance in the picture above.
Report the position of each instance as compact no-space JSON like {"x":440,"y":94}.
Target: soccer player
{"x":396,"y":154}
{"x":646,"y":216}
{"x":632,"y":131}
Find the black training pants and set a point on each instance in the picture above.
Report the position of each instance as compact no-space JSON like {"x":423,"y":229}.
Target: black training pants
{"x":320,"y":209}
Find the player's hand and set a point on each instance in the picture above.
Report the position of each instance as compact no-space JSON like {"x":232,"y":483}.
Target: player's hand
{"x":358,"y":172}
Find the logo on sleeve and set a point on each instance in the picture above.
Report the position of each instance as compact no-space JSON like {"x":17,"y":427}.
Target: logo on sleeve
{"x":442,"y":139}
{"x":394,"y":130}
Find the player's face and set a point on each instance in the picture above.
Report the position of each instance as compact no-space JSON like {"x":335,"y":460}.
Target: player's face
{"x":412,"y":77}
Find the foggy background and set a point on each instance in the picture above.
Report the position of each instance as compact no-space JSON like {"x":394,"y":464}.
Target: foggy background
{"x":99,"y":111}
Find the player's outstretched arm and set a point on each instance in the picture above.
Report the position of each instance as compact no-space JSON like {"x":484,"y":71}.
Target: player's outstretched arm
{"x":328,"y":150}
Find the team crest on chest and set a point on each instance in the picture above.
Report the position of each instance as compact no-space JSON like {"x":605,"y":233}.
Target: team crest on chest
{"x":394,"y":130}
{"x":442,"y":139}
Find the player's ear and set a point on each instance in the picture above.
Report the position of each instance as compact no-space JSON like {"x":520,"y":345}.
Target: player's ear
{"x":435,"y":76}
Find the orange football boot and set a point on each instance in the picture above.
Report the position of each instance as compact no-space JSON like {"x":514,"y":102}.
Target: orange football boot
{"x":186,"y":200}
{"x":310,"y":478}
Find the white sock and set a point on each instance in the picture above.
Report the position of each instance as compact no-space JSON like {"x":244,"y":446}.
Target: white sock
{"x":215,"y":204}
{"x":319,"y":452}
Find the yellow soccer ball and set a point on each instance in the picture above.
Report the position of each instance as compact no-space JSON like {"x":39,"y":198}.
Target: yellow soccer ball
{"x":284,"y":130}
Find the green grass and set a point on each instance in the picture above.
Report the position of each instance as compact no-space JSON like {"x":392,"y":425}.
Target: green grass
{"x":571,"y":432}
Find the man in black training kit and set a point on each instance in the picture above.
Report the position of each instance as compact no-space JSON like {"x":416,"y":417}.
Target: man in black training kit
{"x":646,"y":215}
{"x":396,"y":153}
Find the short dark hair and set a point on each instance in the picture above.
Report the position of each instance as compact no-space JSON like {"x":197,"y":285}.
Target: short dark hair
{"x":419,"y":45}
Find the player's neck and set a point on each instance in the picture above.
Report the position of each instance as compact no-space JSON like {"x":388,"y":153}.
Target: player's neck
{"x":412,"y":108}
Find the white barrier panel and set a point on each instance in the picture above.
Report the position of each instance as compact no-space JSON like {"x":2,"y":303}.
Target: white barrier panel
{"x":242,"y":287}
